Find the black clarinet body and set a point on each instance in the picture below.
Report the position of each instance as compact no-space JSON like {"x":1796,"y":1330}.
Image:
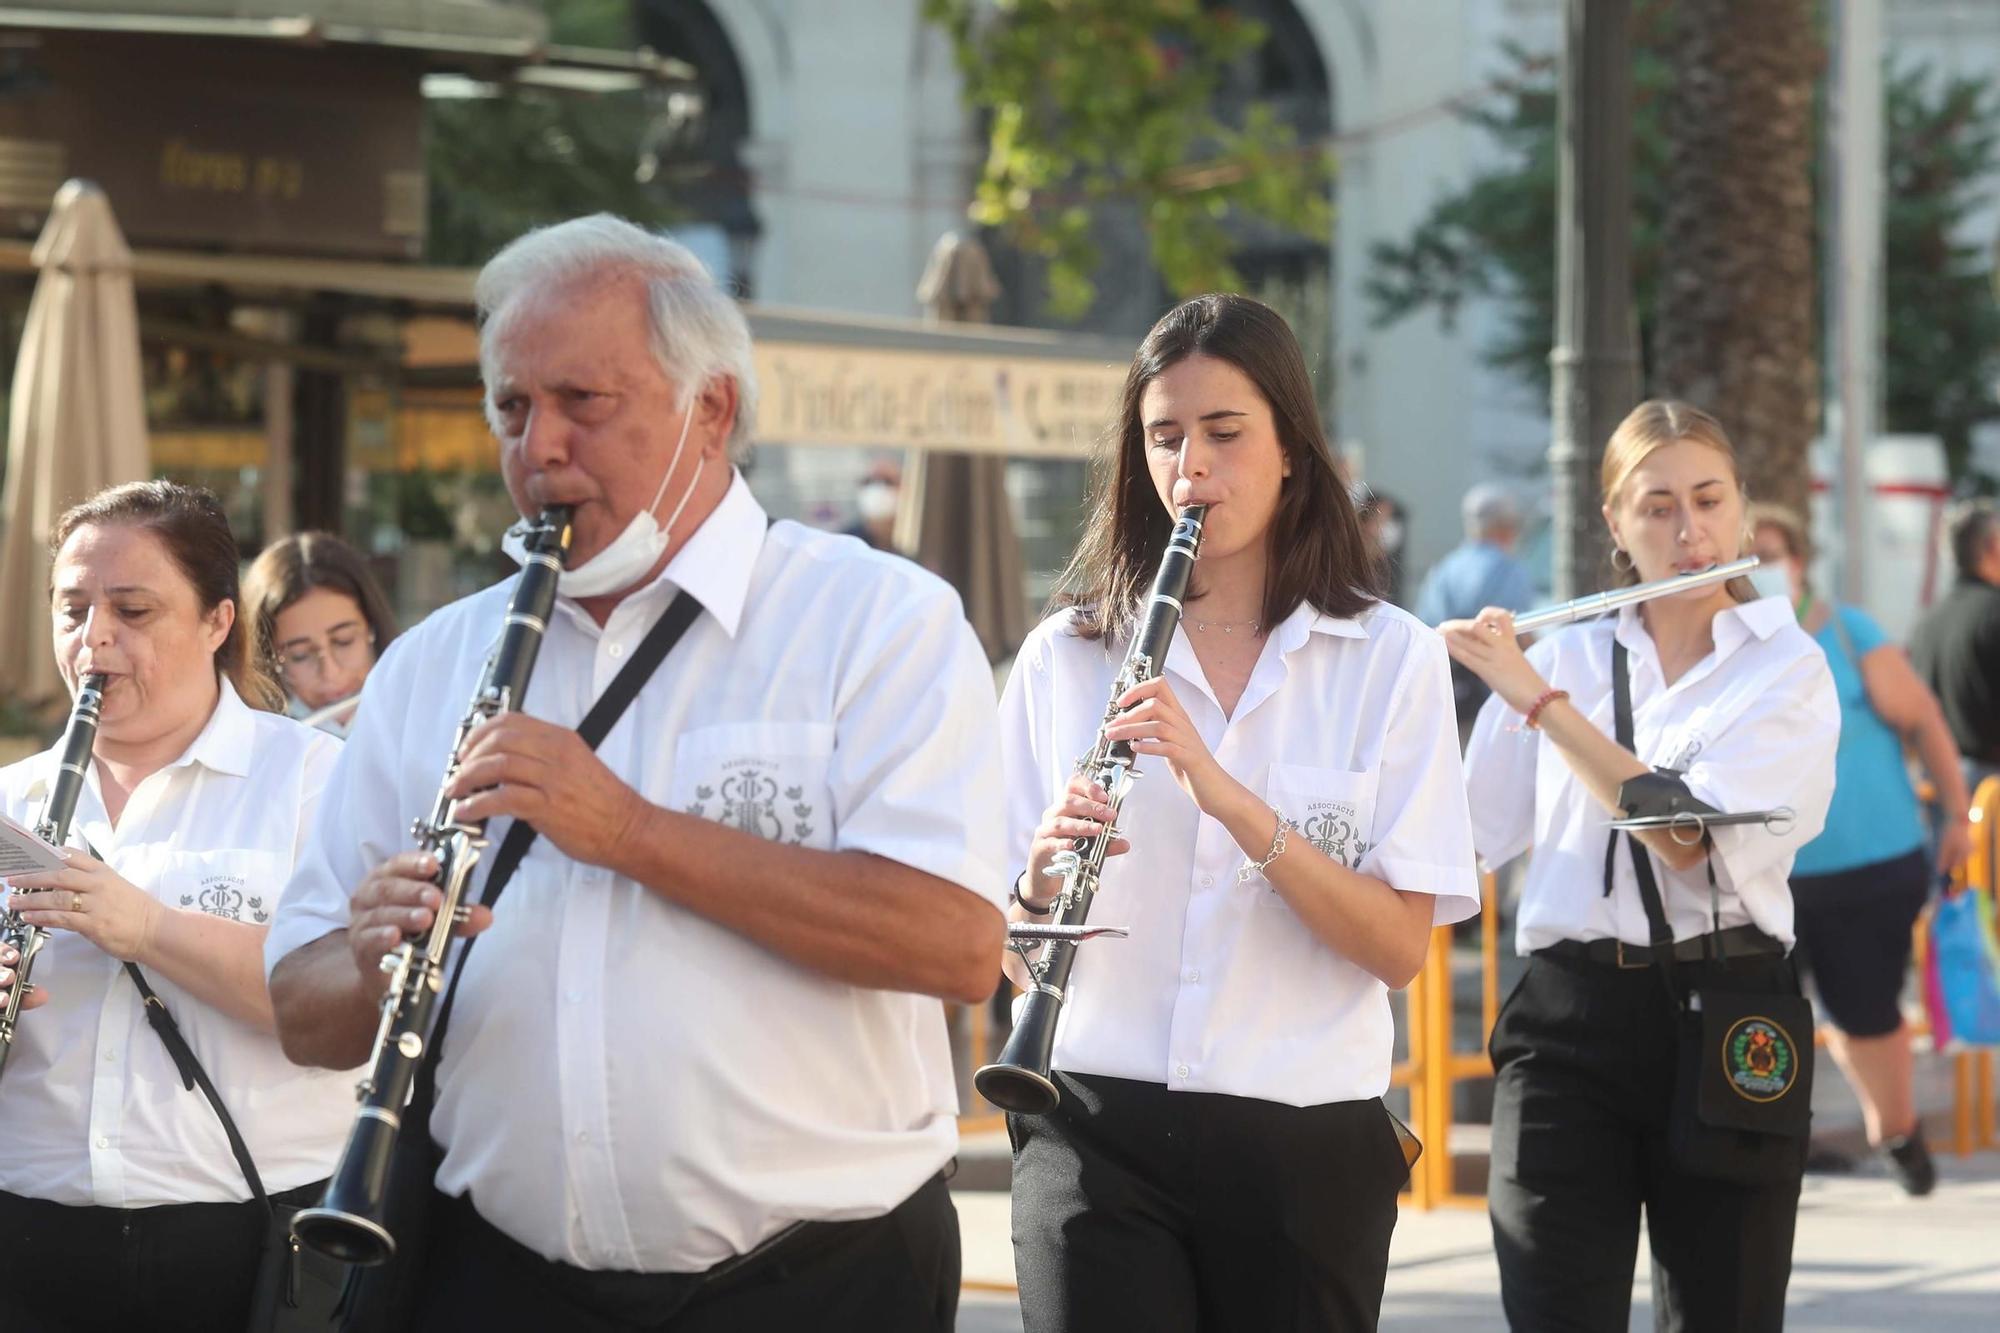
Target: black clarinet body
{"x":348,"y":1223}
{"x":1019,"y":1079}
{"x":79,"y":735}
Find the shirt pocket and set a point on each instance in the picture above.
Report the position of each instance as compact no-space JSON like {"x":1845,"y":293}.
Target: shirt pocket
{"x":236,"y":884}
{"x":1333,"y":807}
{"x":769,"y":779}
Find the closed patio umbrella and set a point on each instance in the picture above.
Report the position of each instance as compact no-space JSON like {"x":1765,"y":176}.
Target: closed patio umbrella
{"x":966,"y":527}
{"x":77,"y":417}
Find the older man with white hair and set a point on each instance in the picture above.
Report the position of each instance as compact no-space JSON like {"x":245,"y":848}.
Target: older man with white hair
{"x":696,"y":1076}
{"x":1478,"y":573}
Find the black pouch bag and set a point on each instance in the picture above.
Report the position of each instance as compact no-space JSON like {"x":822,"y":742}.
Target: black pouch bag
{"x":384,"y":1299}
{"x":1743,"y":1081}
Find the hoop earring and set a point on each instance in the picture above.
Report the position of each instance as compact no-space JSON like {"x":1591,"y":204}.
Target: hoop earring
{"x":1625,"y":568}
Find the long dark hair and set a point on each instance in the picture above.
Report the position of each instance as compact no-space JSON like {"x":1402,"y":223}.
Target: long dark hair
{"x":190,"y":523}
{"x":1317,"y":551}
{"x":293,"y":566}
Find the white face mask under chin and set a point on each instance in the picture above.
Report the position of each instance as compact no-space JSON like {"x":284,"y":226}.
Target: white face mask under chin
{"x":633,"y":552}
{"x":1771,"y":581}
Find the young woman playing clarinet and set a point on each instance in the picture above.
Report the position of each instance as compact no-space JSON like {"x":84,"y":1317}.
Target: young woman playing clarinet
{"x":1219,"y":1157}
{"x":1614,"y":1093}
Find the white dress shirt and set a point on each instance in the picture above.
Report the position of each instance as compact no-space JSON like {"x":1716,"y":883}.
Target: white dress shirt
{"x":1345,"y":726}
{"x":1752,"y":726}
{"x":626,"y":1084}
{"x":93,"y":1108}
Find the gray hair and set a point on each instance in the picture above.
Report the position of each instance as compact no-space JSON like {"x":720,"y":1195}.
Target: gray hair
{"x":1488,"y":506}
{"x":699,"y":332}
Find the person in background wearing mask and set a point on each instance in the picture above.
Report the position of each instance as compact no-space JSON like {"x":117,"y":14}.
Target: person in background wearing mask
{"x":319,"y":620}
{"x":1382,"y":525}
{"x":1479,"y":573}
{"x":875,"y":505}
{"x":698,"y":1081}
{"x":1858,"y":886}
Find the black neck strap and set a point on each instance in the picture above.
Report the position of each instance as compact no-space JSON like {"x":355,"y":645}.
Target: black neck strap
{"x":673,"y":623}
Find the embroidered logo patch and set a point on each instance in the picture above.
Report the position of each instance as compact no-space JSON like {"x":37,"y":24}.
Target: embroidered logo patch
{"x":1759,"y":1060}
{"x":750,"y":795}
{"x":223,"y":896}
{"x":1335,"y":828}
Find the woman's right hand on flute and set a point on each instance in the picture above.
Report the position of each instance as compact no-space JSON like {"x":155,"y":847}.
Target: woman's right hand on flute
{"x":1080,"y":812}
{"x":399,"y":898}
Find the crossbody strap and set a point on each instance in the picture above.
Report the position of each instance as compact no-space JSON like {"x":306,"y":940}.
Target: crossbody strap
{"x":667,"y":631}
{"x":1658,"y":929}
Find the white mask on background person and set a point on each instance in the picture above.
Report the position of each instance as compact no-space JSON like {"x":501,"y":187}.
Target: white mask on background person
{"x":633,"y":552}
{"x":876,"y":502}
{"x":1771,"y":581}
{"x":1391,"y":535}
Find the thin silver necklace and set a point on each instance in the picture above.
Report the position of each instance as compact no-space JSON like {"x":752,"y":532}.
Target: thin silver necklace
{"x":1226,"y":626}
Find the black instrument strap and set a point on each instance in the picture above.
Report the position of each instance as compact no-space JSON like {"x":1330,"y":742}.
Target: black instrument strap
{"x":1657,"y":927}
{"x":673,"y":623}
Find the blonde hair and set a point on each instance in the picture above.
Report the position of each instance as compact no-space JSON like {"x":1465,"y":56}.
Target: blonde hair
{"x":1655,"y":424}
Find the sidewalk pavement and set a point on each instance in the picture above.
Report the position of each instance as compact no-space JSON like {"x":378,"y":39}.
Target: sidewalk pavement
{"x":1867,"y":1257}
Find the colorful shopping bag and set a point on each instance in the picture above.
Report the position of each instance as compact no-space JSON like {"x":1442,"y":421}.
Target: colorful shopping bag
{"x":1962,"y":971}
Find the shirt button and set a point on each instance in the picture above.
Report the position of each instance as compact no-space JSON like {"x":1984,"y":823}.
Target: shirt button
{"x":1194,"y":975}
{"x":574,"y":997}
{"x":1208,"y":881}
{"x":583,"y":1136}
{"x":110,"y":1055}
{"x":103,"y":1141}
{"x":1180,"y":1071}
{"x":617,"y":650}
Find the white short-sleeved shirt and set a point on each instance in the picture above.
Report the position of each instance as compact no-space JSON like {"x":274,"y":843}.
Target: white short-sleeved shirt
{"x":1346,"y":726}
{"x":1752,"y":726}
{"x":626,"y":1084}
{"x":93,"y":1109}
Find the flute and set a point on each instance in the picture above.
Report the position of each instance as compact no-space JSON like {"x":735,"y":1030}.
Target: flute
{"x":79,"y":735}
{"x":1598,"y":603}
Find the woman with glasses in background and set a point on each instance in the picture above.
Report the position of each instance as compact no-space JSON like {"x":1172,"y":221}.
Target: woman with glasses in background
{"x":321,"y":621}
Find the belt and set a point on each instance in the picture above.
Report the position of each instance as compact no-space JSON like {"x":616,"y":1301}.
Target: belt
{"x":1736,"y":942}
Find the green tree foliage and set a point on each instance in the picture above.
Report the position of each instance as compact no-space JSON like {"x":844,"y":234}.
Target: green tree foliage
{"x":1496,"y":237}
{"x":1091,"y":102}
{"x":527,"y":157}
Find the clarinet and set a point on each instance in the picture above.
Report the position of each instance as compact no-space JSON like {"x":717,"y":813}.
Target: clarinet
{"x":1019,"y":1080}
{"x":348,"y":1222}
{"x":79,"y":734}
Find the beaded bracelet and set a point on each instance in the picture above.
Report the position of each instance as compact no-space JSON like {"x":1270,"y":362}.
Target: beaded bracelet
{"x":1532,"y":720}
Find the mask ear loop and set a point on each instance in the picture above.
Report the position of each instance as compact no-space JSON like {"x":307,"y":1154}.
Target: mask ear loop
{"x":667,"y":528}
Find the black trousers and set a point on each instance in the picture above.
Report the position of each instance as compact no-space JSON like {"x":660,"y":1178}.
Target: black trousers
{"x":1584,"y":1054}
{"x":183,"y":1266}
{"x":1139,"y":1208}
{"x":897,"y":1273}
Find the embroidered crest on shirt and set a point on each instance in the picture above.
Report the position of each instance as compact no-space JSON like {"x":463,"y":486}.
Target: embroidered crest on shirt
{"x":223,"y":896}
{"x":749,"y":794}
{"x":1335,"y":828}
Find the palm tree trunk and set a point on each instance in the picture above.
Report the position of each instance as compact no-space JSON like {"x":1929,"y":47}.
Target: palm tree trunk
{"x":1735,"y":331}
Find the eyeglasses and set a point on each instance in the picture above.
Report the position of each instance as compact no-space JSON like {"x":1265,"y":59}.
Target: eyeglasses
{"x":310,"y":660}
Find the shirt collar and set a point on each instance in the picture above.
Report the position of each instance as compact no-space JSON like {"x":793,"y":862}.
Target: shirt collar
{"x":1732,"y":627}
{"x":223,"y":745}
{"x":716,"y":561}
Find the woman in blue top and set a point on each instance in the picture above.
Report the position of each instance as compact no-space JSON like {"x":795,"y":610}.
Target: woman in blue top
{"x":1859,"y":885}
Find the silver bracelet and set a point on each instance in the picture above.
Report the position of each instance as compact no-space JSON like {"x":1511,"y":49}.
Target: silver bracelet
{"x":1285,"y":826}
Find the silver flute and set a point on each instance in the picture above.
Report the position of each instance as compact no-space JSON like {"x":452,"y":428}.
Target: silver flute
{"x":349,"y":1222}
{"x":1598,"y":603}
{"x":79,"y":735}
{"x":1019,"y":1079}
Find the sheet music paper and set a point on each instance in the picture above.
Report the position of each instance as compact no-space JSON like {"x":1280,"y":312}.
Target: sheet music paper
{"x":22,"y":853}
